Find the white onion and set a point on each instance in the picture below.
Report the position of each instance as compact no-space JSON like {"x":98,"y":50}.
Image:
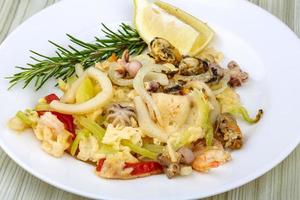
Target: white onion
{"x":146,"y":123}
{"x":96,"y":102}
{"x":70,"y":94}
{"x":161,"y":78}
{"x":117,"y":80}
{"x":224,"y":83}
{"x":151,"y":76}
{"x":138,"y":85}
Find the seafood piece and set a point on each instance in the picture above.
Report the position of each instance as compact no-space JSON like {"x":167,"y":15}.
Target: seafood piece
{"x":152,"y":86}
{"x":121,"y":115}
{"x":173,"y":89}
{"x":51,"y":132}
{"x":127,"y":67}
{"x":216,"y":72}
{"x":192,"y":66}
{"x":171,"y":169}
{"x":209,"y":157}
{"x":228,"y":132}
{"x":164,"y":52}
{"x":213,"y":74}
{"x":187,"y":155}
{"x":237,"y":76}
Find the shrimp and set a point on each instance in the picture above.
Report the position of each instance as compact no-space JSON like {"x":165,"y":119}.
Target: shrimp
{"x":209,"y":157}
{"x":51,"y":132}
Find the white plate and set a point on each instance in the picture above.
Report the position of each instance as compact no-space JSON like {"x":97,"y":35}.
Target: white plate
{"x":263,"y":46}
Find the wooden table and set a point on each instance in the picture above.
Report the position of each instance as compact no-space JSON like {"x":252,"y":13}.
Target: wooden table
{"x":283,"y":182}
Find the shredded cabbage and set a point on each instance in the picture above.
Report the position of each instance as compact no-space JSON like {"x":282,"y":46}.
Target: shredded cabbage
{"x":180,"y":139}
{"x":89,"y":149}
{"x":84,"y":133}
{"x":114,"y":135}
{"x":186,"y":137}
{"x":230,"y":103}
{"x":204,"y":109}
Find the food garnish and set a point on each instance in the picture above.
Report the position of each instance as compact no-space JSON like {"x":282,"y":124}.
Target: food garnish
{"x":63,"y":64}
{"x":132,"y":113}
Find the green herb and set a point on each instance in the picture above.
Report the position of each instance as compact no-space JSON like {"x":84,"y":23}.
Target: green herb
{"x":63,"y":64}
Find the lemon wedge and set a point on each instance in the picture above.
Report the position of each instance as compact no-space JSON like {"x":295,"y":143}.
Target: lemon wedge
{"x":188,"y":34}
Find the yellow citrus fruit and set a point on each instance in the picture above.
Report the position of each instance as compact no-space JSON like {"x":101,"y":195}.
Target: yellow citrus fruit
{"x":188,"y":34}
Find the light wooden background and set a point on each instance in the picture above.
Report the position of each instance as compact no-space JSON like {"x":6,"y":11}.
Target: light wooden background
{"x":282,"y":183}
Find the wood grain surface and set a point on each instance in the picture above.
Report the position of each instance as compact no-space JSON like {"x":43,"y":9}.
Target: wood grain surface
{"x":281,"y":183}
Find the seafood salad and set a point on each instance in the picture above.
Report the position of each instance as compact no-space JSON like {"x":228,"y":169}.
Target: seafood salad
{"x":133,"y":115}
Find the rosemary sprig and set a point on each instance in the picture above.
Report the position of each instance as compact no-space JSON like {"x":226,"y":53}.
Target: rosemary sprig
{"x":63,"y":64}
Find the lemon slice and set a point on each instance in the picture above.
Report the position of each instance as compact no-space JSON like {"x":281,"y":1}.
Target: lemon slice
{"x":188,"y":34}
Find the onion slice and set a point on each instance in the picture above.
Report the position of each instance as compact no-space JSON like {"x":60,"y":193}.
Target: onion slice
{"x":224,"y":83}
{"x":138,"y":85}
{"x":96,"y":102}
{"x":117,"y":80}
{"x":161,"y":78}
{"x":146,"y":123}
{"x":151,"y":76}
{"x":70,"y":94}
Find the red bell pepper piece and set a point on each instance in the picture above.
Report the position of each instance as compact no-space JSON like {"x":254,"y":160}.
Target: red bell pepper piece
{"x":138,"y":168}
{"x":100,"y":164}
{"x":67,"y":120}
{"x":144,"y":167}
{"x":51,"y":97}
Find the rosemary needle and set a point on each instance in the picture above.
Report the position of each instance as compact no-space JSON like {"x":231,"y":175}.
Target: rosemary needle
{"x":63,"y":64}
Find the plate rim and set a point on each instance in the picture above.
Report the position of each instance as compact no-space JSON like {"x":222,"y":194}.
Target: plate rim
{"x":250,"y":177}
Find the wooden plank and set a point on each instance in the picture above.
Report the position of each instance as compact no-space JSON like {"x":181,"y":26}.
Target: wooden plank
{"x":283,"y":182}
